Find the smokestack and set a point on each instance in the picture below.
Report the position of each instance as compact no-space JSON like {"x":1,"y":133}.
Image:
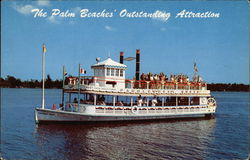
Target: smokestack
{"x":137,"y":70}
{"x":121,"y":57}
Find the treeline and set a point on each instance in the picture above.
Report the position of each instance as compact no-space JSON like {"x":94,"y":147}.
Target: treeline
{"x":228,"y":87}
{"x":12,"y":82}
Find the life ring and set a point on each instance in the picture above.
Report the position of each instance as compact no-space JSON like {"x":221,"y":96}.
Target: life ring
{"x":203,"y":100}
{"x":211,"y":101}
{"x":135,"y":110}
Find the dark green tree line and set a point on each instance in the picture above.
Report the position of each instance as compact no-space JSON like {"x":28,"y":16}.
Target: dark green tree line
{"x":12,"y":82}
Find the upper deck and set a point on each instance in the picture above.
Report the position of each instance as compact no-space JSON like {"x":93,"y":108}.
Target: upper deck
{"x":89,"y":84}
{"x":109,"y":79}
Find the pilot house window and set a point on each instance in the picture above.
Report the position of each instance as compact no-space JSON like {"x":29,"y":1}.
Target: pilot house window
{"x":117,"y":72}
{"x":108,"y":71}
{"x":121,"y":73}
{"x":112,"y":72}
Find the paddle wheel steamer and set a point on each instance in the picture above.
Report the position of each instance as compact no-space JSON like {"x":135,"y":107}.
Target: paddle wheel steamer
{"x":109,"y":96}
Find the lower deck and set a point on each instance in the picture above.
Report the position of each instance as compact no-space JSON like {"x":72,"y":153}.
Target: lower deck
{"x":83,"y":113}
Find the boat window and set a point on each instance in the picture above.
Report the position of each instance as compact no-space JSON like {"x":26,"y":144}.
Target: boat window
{"x":170,"y":101}
{"x":112,"y":72}
{"x":195,"y":101}
{"x":108,"y":71}
{"x":117,"y":72}
{"x":96,"y":72}
{"x":86,"y":98}
{"x":182,"y":101}
{"x":121,"y":73}
{"x":102,"y":72}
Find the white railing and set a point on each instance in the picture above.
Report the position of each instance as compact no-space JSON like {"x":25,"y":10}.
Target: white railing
{"x":149,"y":110}
{"x":139,"y":91}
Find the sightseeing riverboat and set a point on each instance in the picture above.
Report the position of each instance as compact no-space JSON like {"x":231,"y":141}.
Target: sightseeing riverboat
{"x":109,"y":96}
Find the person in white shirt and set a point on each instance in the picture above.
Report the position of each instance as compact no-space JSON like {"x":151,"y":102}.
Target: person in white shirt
{"x":154,"y":101}
{"x":139,"y":101}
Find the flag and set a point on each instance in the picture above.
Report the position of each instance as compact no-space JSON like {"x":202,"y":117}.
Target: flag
{"x":82,"y":71}
{"x":195,"y":68}
{"x":44,"y":48}
{"x":65,"y":72}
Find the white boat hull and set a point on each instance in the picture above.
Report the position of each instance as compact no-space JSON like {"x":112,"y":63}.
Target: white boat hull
{"x":48,"y":115}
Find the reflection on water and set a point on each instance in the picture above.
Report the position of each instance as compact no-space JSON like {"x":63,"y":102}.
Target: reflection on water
{"x":161,"y":139}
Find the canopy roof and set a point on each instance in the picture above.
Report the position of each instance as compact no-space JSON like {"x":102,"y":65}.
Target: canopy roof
{"x":109,"y":63}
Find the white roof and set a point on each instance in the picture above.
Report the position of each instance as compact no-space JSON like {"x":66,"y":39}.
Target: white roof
{"x":109,"y":63}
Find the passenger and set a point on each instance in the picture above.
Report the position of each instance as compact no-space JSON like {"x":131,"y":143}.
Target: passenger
{"x":102,"y":98}
{"x":119,"y":103}
{"x":142,"y":80}
{"x":61,"y":107}
{"x":103,"y":103}
{"x":162,"y":80}
{"x":75,"y":100}
{"x":144,"y":101}
{"x":139,"y":101}
{"x":81,"y":100}
{"x":154,"y":101}
{"x":151,"y":79}
{"x":156,"y":81}
{"x":158,"y":101}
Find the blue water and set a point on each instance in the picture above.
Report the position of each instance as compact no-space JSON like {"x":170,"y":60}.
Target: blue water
{"x":224,"y":137}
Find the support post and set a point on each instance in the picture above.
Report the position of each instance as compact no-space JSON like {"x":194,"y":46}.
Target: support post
{"x":131,"y":101}
{"x":79,"y":87}
{"x":43,"y":71}
{"x":147,"y":102}
{"x":176,"y":102}
{"x":63,"y":86}
{"x":137,"y":69}
{"x":95,"y":99}
{"x":147,"y":84}
{"x":113,"y":100}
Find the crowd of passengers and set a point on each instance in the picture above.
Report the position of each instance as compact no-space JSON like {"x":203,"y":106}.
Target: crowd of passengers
{"x":157,"y":81}
{"x":141,"y":101}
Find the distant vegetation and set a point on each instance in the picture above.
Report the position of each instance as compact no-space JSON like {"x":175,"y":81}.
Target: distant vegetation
{"x":228,"y":87}
{"x":12,"y":82}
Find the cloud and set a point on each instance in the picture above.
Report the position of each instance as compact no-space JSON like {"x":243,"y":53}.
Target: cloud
{"x":161,"y":16}
{"x":23,"y":9}
{"x":109,"y":28}
{"x":53,"y":19}
{"x":43,"y":3}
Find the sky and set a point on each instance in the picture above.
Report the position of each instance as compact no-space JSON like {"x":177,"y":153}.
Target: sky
{"x":219,"y":46}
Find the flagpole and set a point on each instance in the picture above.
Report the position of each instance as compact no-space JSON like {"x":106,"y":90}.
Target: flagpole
{"x":63,"y":86}
{"x":194,"y":71}
{"x":43,"y":70}
{"x":79,"y":86}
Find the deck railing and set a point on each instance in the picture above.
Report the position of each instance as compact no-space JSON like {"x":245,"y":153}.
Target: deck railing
{"x":73,"y":107}
{"x":138,"y":84}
